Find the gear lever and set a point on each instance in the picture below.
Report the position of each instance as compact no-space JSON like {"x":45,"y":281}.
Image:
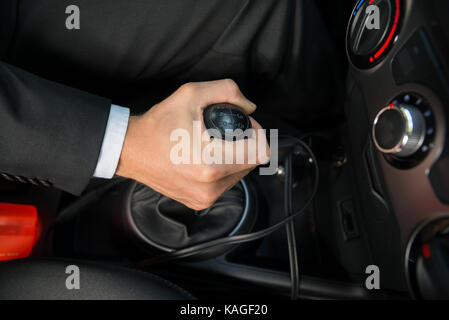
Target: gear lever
{"x":226,"y":118}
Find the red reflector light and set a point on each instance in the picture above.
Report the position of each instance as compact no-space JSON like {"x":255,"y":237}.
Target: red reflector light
{"x":18,"y":224}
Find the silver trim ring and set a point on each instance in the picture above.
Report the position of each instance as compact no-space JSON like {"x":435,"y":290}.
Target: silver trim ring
{"x":409,"y":144}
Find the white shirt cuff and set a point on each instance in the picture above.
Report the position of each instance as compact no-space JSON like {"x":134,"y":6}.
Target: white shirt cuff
{"x":114,"y":137}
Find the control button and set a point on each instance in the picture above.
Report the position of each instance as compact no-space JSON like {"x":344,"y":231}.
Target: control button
{"x":399,"y":130}
{"x":372,"y":31}
{"x":364,"y":39}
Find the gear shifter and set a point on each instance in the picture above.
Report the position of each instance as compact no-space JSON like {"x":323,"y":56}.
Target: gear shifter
{"x":226,"y":118}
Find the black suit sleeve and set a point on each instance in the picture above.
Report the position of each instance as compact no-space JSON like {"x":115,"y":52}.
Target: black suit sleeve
{"x":49,"y":131}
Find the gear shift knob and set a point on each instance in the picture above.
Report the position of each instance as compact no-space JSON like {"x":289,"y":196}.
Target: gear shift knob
{"x":226,"y":118}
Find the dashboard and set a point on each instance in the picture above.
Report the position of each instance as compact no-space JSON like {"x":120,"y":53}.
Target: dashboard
{"x":397,"y":108}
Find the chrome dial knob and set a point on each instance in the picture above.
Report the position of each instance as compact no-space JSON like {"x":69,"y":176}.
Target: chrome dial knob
{"x":399,"y":130}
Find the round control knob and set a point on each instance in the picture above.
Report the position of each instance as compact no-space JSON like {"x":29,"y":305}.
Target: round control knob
{"x":399,"y":130}
{"x":372,"y":31}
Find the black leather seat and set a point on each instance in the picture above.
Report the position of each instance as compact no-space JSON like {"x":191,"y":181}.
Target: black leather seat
{"x":46,"y":280}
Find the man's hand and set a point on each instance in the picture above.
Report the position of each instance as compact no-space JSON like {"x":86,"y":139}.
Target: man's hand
{"x":146,"y":151}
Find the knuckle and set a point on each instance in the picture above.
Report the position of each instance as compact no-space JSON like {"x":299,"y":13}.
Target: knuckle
{"x":229,"y":82}
{"x":188,"y":88}
{"x":209,"y":174}
{"x":232,"y":86}
{"x":207,"y":197}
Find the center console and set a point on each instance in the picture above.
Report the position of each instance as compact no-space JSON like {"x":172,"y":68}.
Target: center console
{"x":397,"y":108}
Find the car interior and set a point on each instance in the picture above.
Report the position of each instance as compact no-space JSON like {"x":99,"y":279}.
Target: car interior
{"x":361,"y":189}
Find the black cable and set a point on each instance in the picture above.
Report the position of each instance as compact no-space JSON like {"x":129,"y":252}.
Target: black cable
{"x":290,"y":228}
{"x":239,"y":239}
{"x":71,"y":211}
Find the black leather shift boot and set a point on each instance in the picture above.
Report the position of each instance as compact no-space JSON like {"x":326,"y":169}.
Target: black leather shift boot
{"x":172,"y":225}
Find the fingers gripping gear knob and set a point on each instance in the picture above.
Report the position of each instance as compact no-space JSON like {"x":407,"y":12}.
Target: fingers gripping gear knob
{"x":399,"y":130}
{"x":227,"y":118}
